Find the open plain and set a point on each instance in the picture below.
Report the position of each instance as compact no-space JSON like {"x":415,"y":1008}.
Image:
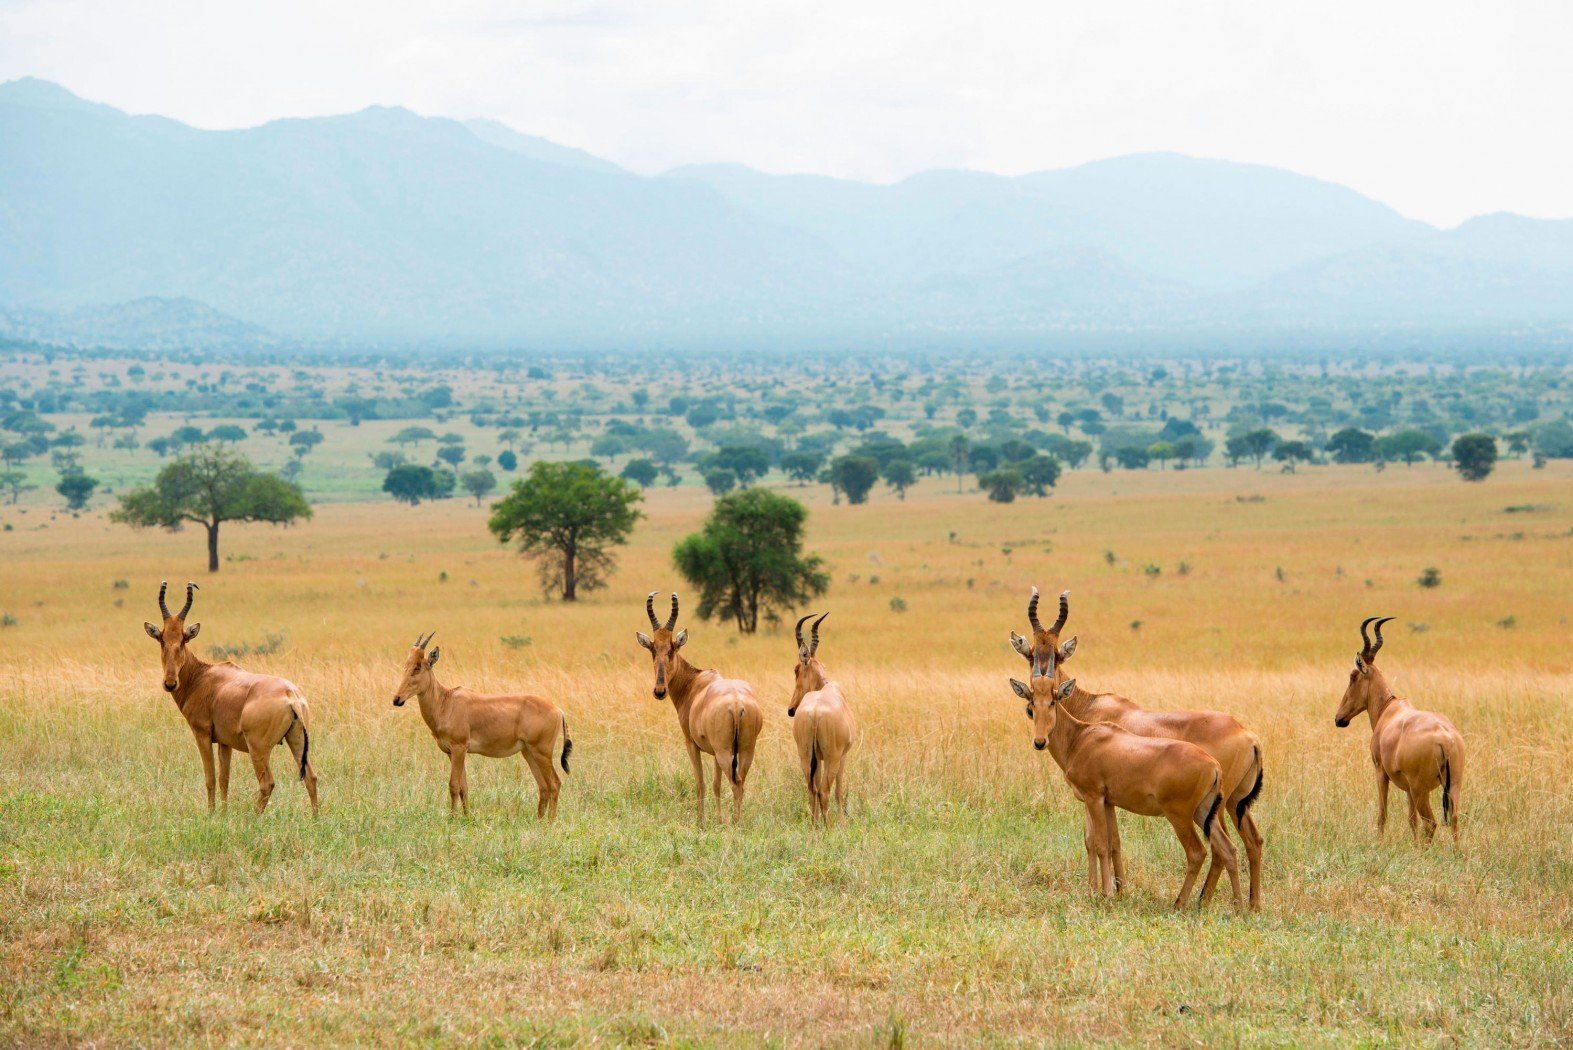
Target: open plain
{"x":950,"y":908}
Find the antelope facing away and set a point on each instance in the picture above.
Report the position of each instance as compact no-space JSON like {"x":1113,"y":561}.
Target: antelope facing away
{"x":1236,"y":749}
{"x":494,"y":725}
{"x":1417,"y":750}
{"x":1110,"y":768}
{"x":824,"y":726}
{"x":231,"y":709}
{"x":719,"y":716}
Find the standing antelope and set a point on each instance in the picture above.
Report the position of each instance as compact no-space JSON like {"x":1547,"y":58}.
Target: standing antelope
{"x":233,"y":709}
{"x":825,"y":728}
{"x":1417,"y":750}
{"x":497,"y":726}
{"x":1236,"y":749}
{"x":1109,"y":767}
{"x":719,"y":716}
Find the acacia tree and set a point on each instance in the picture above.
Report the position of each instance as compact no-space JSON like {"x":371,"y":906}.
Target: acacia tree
{"x":749,"y":557}
{"x":1474,"y":456}
{"x":567,"y":516}
{"x":208,"y":486}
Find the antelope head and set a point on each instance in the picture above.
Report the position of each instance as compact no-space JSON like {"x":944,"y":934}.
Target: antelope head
{"x":662,"y":643}
{"x":1044,"y":647}
{"x":1366,"y":683}
{"x":417,"y":670}
{"x":1043,"y":699}
{"x":173,"y":635}
{"x":808,"y":675}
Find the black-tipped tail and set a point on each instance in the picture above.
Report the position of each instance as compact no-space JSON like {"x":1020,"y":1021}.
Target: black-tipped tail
{"x":1245,"y":803}
{"x":1212,"y":812}
{"x":737,"y":741}
{"x":1447,"y":789}
{"x":305,"y":744}
{"x":567,"y":746}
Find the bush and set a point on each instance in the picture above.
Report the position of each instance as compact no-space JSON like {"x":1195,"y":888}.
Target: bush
{"x":1430,"y":577}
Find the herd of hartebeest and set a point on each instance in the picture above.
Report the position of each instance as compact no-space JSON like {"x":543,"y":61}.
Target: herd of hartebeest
{"x":1181,"y":765}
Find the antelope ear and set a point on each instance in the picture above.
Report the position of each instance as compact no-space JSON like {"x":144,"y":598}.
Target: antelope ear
{"x":681,"y":639}
{"x":1021,"y":645}
{"x":433,"y":656}
{"x":643,"y":639}
{"x":192,"y":631}
{"x":1067,"y":647}
{"x":1361,"y":665}
{"x":152,"y":632}
{"x":803,"y":655}
{"x":1022,"y":690}
{"x":1065,"y":690}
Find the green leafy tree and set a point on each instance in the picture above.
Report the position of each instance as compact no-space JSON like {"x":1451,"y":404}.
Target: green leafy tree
{"x":641,"y":472}
{"x":1290,"y":453}
{"x":413,"y":482}
{"x":803,"y":465}
{"x":1352,"y":445}
{"x":1258,"y":443}
{"x":1408,"y":445}
{"x":208,"y":486}
{"x":77,"y":488}
{"x":748,"y":559}
{"x":228,"y":433}
{"x":854,"y":476}
{"x":413,"y":436}
{"x":303,"y":441}
{"x":15,"y":481}
{"x":568,"y":516}
{"x":1475,"y":456}
{"x":900,"y":475}
{"x":479,"y":483}
{"x":719,"y":480}
{"x":452,"y":455}
{"x":508,"y":460}
{"x":1040,"y":474}
{"x":1002,"y":485}
{"x":1162,"y":451}
{"x":746,"y":462}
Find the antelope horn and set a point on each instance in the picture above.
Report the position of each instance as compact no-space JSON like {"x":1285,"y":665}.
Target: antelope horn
{"x":798,"y":630}
{"x":1065,"y":611}
{"x":813,"y":633}
{"x":1032,"y":612}
{"x":190,"y":594}
{"x":1378,"y":629}
{"x":671,"y":621}
{"x":162,"y":589}
{"x":422,"y":641}
{"x":649,"y":609}
{"x":1365,"y":650}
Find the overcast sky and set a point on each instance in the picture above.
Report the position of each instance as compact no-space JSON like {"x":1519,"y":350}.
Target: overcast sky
{"x":1443,"y":109}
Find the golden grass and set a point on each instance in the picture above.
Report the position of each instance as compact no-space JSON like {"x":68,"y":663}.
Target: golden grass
{"x":950,"y":908}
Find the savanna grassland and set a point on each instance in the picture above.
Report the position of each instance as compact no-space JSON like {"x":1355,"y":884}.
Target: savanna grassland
{"x":950,"y":908}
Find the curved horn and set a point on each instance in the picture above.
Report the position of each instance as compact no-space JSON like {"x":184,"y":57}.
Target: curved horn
{"x":423,"y":640}
{"x":798,"y":630}
{"x":1065,"y":611}
{"x":649,"y":610}
{"x":1032,"y":612}
{"x":1378,"y":629}
{"x":813,"y":635}
{"x":162,"y":589}
{"x":1365,"y":650}
{"x":671,"y":621}
{"x":190,"y":594}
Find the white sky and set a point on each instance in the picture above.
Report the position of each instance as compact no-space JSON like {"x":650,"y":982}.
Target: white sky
{"x":1443,"y":109}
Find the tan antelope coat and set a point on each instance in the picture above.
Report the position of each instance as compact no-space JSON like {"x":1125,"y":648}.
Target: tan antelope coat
{"x":823,"y":727}
{"x":229,"y":709}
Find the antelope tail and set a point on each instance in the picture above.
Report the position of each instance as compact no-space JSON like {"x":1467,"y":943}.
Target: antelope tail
{"x":305,"y":734}
{"x":567,"y":745}
{"x":1447,"y":788}
{"x":737,"y":738}
{"x":1245,"y":803}
{"x":1212,"y":807}
{"x":813,"y":764}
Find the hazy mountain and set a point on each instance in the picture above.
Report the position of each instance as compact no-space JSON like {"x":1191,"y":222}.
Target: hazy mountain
{"x":385,"y":226}
{"x":536,"y":148}
{"x":147,"y":324}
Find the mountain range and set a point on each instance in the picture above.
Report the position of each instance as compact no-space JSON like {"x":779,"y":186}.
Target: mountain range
{"x":384,"y":227}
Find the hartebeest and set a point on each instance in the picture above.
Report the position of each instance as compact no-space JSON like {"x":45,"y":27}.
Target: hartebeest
{"x":825,"y":728}
{"x":495,"y":725}
{"x":1417,"y":750}
{"x":1236,"y":749}
{"x":232,"y":709}
{"x":719,"y":716}
{"x":1112,"y":768}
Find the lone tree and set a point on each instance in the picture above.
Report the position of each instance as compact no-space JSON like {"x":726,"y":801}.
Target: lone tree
{"x":567,"y":516}
{"x":1002,"y":485}
{"x":1475,"y":456}
{"x":208,"y":486}
{"x":77,"y":488}
{"x":479,"y":483}
{"x":749,"y":557}
{"x":900,"y":475}
{"x":854,"y":475}
{"x":641,"y":472}
{"x":412,"y":482}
